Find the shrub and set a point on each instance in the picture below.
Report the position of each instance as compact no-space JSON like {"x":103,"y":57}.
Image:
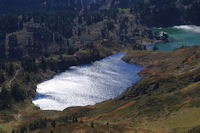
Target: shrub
{"x":5,"y":99}
{"x":17,"y":93}
{"x":155,"y":48}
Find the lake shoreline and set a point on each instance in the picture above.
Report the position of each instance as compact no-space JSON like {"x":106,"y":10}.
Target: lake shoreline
{"x":104,"y":51}
{"x":124,"y":58}
{"x":45,"y":86}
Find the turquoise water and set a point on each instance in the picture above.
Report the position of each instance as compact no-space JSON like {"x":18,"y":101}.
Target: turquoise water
{"x":104,"y":79}
{"x":179,"y":36}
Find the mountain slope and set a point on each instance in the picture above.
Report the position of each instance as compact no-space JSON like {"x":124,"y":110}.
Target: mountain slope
{"x":79,"y":6}
{"x":166,"y":99}
{"x":166,"y":13}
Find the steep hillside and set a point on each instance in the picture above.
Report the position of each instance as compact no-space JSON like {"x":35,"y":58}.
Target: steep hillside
{"x":166,"y":13}
{"x":78,"y":6}
{"x":166,"y":99}
{"x":39,"y":33}
{"x":36,"y":45}
{"x":150,"y":12}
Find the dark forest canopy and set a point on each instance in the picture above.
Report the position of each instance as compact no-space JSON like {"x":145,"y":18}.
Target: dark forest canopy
{"x":78,"y":6}
{"x":166,"y":13}
{"x":42,"y":31}
{"x":150,"y":12}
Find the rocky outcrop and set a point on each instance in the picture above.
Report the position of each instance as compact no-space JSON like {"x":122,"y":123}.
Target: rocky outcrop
{"x":163,"y":36}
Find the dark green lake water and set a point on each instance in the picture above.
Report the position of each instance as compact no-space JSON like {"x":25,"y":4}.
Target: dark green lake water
{"x":105,"y":79}
{"x":179,"y":36}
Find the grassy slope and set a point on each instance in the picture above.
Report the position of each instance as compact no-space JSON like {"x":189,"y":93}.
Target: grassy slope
{"x":10,"y":119}
{"x":168,"y":93}
{"x":166,"y":99}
